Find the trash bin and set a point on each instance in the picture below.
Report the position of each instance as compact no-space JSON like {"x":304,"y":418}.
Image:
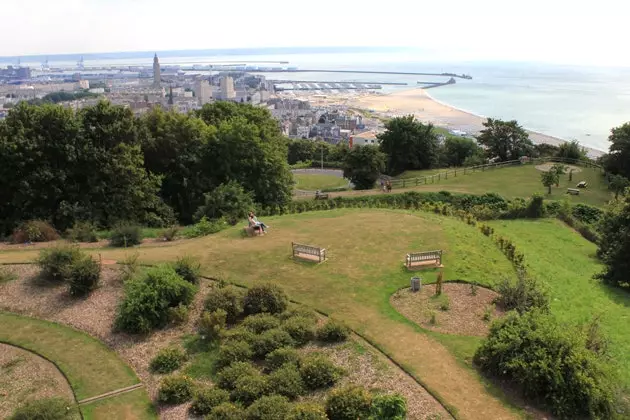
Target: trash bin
{"x":416,"y":284}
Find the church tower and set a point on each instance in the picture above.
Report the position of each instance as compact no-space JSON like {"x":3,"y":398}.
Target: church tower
{"x":157,"y":76}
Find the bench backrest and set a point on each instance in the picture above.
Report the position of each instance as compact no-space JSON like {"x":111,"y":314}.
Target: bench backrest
{"x":424,"y":256}
{"x":306,"y":249}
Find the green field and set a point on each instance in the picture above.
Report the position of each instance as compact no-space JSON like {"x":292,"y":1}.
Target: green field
{"x":134,"y":405}
{"x":563,"y":260}
{"x":313,"y":182}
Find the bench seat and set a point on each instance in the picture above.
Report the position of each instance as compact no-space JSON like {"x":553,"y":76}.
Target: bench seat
{"x":419,"y":260}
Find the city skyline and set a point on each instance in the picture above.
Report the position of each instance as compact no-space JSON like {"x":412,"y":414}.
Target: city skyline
{"x":560,"y":31}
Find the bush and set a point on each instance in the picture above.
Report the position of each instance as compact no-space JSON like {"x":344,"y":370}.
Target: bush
{"x":34,"y":231}
{"x":6,"y":275}
{"x":265,"y":298}
{"x":260,"y":323}
{"x":281,"y":357}
{"x":349,"y":403}
{"x":273,"y":407}
{"x":319,"y":372}
{"x":212,"y":324}
{"x":229,"y":298}
{"x":167,"y":360}
{"x":271,"y":340}
{"x":389,"y":407}
{"x":535,"y":207}
{"x":233,"y":351}
{"x":176,"y":389}
{"x":522,"y":295}
{"x":239,"y":334}
{"x":44,"y":409}
{"x":287,"y":381}
{"x":170,"y":234}
{"x":83,"y":275}
{"x":227,"y":377}
{"x":228,"y":201}
{"x":333,"y":332}
{"x":55,"y":262}
{"x":301,"y":312}
{"x":248,"y":388}
{"x":188,"y":268}
{"x":147,"y":300}
{"x":129,"y":267}
{"x":125,"y":235}
{"x":178,"y":315}
{"x":302,"y":330}
{"x":207,"y":399}
{"x":587,"y":214}
{"x":204,"y":227}
{"x":550,"y":363}
{"x":226,"y":411}
{"x":307,"y":411}
{"x":83,"y":232}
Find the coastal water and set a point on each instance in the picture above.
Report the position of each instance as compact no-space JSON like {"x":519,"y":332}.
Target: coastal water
{"x":569,"y":102}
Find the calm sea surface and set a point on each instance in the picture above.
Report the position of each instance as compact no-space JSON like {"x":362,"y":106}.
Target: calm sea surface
{"x":581,"y":103}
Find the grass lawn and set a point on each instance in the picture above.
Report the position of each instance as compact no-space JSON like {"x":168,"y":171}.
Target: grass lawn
{"x":566,"y":262}
{"x":366,"y":250}
{"x":134,"y":405}
{"x":91,"y":368}
{"x":313,"y":182}
{"x":420,"y":173}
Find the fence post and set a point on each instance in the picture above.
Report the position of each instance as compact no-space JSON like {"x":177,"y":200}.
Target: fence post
{"x":439,"y":177}
{"x":464,"y":170}
{"x":425,"y":180}
{"x":416,"y":182}
{"x":446,"y":175}
{"x":403,"y":183}
{"x":483,"y":168}
{"x":455,"y":173}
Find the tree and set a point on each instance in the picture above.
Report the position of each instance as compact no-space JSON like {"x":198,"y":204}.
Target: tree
{"x":505,"y":140}
{"x":457,"y":149}
{"x":549,"y":178}
{"x":363,"y":165}
{"x":545,"y":150}
{"x":618,"y":159}
{"x":618,"y":184}
{"x":227,"y":200}
{"x":408,"y":144}
{"x":571,"y":150}
{"x":559,"y":169}
{"x":614,"y":244}
{"x":301,"y":151}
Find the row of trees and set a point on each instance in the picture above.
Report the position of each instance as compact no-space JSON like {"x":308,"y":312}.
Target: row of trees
{"x":101,"y":164}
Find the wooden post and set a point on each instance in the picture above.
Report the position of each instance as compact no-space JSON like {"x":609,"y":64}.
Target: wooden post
{"x":425,"y":180}
{"x":416,"y":182}
{"x":403,"y":183}
{"x":438,"y":284}
{"x":446,"y":175}
{"x":439,"y":176}
{"x":455,"y":173}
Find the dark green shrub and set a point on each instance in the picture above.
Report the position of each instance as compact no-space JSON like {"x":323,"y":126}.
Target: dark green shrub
{"x":287,"y":381}
{"x":170,"y":233}
{"x":550,"y":363}
{"x":178,"y":315}
{"x":281,"y":357}
{"x":268,"y":298}
{"x":233,"y":351}
{"x":307,"y":411}
{"x":319,"y":372}
{"x":44,"y":409}
{"x":522,"y":295}
{"x":83,"y":275}
{"x":148,"y":299}
{"x":207,"y":399}
{"x":271,"y":340}
{"x":212,"y":324}
{"x":333,"y":331}
{"x":188,"y":268}
{"x":302,"y":330}
{"x":204,"y":227}
{"x":272,"y":407}
{"x":389,"y":407}
{"x":229,"y":298}
{"x":167,"y":360}
{"x":227,"y":377}
{"x":349,"y":403}
{"x":587,"y":214}
{"x":226,"y":411}
{"x":229,"y":201}
{"x":239,"y":334}
{"x":83,"y":232}
{"x":124,"y":235}
{"x":260,"y":323}
{"x":535,"y":207}
{"x":55,"y":262}
{"x":248,"y":388}
{"x":301,"y":312}
{"x":34,"y":231}
{"x":175,"y":389}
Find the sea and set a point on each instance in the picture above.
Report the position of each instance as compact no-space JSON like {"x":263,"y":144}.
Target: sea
{"x":568,"y":102}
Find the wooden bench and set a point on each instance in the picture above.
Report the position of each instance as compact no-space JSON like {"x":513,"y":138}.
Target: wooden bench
{"x":418,"y":260}
{"x":573,"y":191}
{"x":582,"y":184}
{"x":250,"y":231}
{"x":319,"y":196}
{"x":309,"y":253}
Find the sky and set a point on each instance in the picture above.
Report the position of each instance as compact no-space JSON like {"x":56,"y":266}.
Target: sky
{"x":558,"y":31}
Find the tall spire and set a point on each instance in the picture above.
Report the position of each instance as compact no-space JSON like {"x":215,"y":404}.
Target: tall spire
{"x":157,"y":75}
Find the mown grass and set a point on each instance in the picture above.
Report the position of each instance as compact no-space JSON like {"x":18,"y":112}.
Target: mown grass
{"x":313,"y":182}
{"x":134,"y":405}
{"x":566,"y":263}
{"x":91,"y":368}
{"x":148,"y":233}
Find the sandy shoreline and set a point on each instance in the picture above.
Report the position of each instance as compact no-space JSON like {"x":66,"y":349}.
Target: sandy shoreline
{"x":419,"y":103}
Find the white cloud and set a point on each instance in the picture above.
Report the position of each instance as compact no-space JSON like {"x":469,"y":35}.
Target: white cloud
{"x":552,"y":30}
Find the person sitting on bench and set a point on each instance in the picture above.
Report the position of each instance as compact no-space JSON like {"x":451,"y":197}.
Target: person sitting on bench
{"x":255,"y":223}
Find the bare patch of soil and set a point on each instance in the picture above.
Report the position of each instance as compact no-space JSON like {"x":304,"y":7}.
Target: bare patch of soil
{"x":103,"y":243}
{"x":25,"y":377}
{"x":365,"y":366}
{"x":456,"y":311}
{"x":546,"y":166}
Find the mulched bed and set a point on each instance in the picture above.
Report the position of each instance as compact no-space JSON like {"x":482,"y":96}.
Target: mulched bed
{"x":148,"y":242}
{"x":26,"y":376}
{"x":464,"y":317}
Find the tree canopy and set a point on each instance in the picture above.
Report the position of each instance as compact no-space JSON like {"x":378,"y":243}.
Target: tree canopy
{"x":618,"y":159}
{"x":505,"y":140}
{"x":457,"y":150}
{"x":614,"y":244}
{"x":408,"y":144}
{"x":363,"y":165}
{"x":571,"y":150}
